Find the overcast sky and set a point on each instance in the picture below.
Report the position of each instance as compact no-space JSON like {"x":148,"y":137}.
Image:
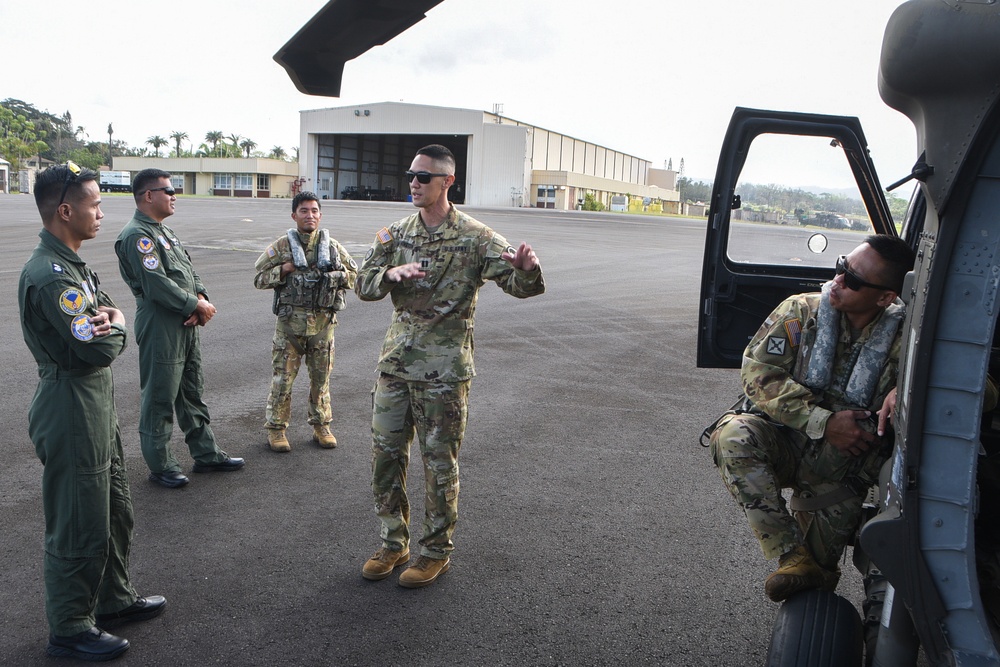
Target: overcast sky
{"x":653,"y":78}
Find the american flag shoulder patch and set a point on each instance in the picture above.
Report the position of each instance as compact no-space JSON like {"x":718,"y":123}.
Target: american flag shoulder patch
{"x":383,"y":235}
{"x":794,"y":330}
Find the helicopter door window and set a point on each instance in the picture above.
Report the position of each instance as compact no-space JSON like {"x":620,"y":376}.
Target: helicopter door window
{"x":791,"y":188}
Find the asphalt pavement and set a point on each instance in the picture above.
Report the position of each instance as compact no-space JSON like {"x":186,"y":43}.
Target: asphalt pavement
{"x":593,"y":528}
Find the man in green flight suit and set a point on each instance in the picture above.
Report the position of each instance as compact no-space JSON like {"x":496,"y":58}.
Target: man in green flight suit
{"x":432,"y":263}
{"x":814,"y":375}
{"x":171,"y":303}
{"x":309,"y":272}
{"x":74,"y":332}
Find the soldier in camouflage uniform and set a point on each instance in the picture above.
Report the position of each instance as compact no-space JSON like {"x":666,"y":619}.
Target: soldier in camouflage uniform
{"x":432,"y":263}
{"x":309,"y":273}
{"x":814,"y":375}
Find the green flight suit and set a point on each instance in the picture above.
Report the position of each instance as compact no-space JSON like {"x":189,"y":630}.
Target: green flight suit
{"x":426,"y":365}
{"x":159,"y":272}
{"x":73,"y":425}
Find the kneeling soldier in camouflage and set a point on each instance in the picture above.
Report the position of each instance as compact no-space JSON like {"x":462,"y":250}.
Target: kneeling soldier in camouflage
{"x":813,"y":376}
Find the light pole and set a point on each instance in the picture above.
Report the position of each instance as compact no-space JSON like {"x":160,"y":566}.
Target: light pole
{"x":110,"y":133}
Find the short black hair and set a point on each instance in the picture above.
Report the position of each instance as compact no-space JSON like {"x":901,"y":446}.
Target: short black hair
{"x":439,"y":153}
{"x":898,"y":256}
{"x":49,"y":186}
{"x":144,"y":178}
{"x":305,"y":195}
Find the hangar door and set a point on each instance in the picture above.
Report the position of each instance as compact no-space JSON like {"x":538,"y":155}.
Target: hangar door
{"x":372,"y":166}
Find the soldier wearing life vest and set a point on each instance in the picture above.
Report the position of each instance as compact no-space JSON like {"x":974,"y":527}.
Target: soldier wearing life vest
{"x":309,"y":272}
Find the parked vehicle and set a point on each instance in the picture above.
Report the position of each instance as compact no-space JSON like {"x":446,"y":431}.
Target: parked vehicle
{"x":115,"y":181}
{"x":930,"y":551}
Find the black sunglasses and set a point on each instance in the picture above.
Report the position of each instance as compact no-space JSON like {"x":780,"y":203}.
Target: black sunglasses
{"x":851,"y":280}
{"x":422,"y":176}
{"x":74,"y":171}
{"x":168,"y":190}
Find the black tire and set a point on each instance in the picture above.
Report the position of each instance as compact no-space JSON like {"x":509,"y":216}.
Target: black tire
{"x":816,"y":629}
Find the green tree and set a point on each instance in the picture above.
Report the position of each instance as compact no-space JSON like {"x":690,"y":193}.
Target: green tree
{"x":19,"y":138}
{"x":178,"y":137}
{"x":278,"y":153}
{"x":214,"y":137}
{"x":590,"y":203}
{"x":234,"y":147}
{"x":248,"y":145}
{"x":156,"y":141}
{"x":692,"y":191}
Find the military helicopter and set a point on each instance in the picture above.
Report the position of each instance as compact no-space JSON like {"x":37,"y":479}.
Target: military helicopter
{"x":929,"y":550}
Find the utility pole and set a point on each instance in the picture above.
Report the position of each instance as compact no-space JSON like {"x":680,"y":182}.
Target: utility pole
{"x":110,"y":154}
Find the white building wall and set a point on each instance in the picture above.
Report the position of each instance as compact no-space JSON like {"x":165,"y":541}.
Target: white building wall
{"x":381,"y":118}
{"x":501,"y":157}
{"x":497,"y":173}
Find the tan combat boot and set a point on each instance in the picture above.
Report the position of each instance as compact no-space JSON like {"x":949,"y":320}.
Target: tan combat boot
{"x":798,"y":571}
{"x":322,"y":435}
{"x":424,"y":572}
{"x":382,"y":564}
{"x":277,"y":441}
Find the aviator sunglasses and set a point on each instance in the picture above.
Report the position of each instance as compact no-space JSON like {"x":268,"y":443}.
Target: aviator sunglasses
{"x":423,"y":177}
{"x":851,"y":280}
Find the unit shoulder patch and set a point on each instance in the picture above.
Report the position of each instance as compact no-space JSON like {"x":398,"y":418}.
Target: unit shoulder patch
{"x":81,"y":328}
{"x":151,"y":262}
{"x":776,"y":345}
{"x":72,"y":301}
{"x":144,"y":245}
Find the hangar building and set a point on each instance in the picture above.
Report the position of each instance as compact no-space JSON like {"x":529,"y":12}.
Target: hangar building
{"x":361,"y":152}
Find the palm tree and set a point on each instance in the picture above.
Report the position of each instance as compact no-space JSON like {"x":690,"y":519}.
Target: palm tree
{"x":248,"y":145}
{"x":278,"y":153}
{"x":178,"y":137}
{"x":214,"y":137}
{"x":156,"y":141}
{"x":235,"y":138}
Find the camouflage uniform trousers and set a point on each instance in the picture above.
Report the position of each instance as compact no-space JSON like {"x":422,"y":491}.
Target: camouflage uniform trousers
{"x":286,"y":357}
{"x":437,"y":412}
{"x":757,"y":458}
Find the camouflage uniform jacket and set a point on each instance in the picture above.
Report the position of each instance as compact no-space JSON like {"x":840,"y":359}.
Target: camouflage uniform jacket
{"x":772,"y":364}
{"x":430,"y":337}
{"x":299,"y":320}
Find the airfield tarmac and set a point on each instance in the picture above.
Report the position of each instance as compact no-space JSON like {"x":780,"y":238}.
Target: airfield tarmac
{"x":593,"y":528}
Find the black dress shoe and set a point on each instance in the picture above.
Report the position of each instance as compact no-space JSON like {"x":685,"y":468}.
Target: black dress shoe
{"x":169,"y":478}
{"x":227,"y":464}
{"x":140,"y":610}
{"x":94,"y":645}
